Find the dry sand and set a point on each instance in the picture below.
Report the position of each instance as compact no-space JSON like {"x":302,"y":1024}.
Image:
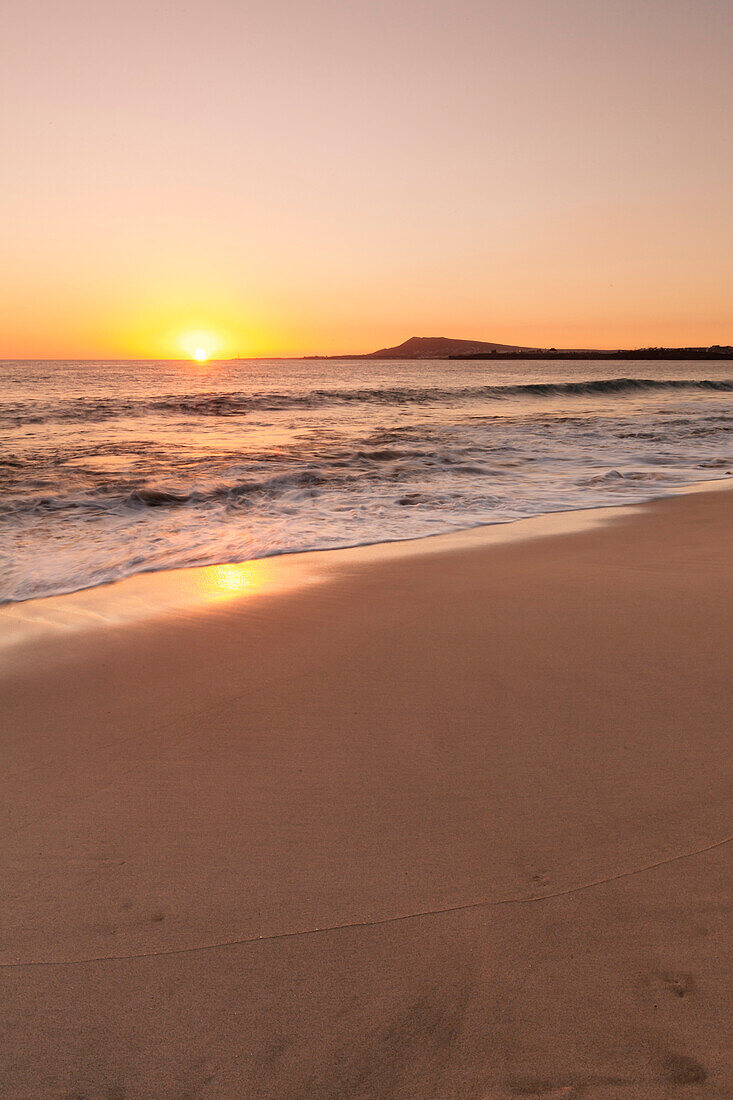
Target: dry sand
{"x":445,"y":824}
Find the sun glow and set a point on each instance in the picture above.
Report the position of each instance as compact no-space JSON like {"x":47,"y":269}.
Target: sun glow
{"x":200,"y":346}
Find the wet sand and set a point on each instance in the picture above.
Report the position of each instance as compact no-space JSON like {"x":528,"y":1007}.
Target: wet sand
{"x":450,"y":821}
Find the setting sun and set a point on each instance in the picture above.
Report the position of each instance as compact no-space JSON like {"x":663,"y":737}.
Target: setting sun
{"x":200,"y":344}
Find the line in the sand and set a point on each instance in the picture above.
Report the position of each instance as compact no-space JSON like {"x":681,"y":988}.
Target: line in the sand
{"x":464,"y":907}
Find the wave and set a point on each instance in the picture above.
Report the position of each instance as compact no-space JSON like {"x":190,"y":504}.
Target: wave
{"x":151,"y":496}
{"x":240,"y":403}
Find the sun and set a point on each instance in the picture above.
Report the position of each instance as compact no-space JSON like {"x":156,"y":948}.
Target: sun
{"x":200,"y":344}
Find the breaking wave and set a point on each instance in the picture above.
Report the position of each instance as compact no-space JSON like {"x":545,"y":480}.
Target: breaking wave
{"x":150,"y":496}
{"x":240,"y":403}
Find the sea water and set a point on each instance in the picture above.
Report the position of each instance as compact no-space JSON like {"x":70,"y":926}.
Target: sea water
{"x":113,"y":468}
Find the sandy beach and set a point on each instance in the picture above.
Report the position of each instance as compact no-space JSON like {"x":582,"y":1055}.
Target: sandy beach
{"x":450,"y":821}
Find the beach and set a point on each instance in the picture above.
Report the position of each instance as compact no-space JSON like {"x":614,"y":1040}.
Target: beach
{"x":448,"y":820}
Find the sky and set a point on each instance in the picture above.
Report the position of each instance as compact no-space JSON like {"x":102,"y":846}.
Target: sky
{"x":324,"y":176}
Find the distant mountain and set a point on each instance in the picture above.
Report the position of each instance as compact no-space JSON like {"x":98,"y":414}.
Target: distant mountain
{"x":442,"y":347}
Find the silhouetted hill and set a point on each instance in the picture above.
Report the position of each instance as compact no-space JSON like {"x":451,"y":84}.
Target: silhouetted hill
{"x":442,"y":347}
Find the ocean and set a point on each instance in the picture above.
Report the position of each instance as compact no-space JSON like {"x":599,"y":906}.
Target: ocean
{"x":114,"y":468}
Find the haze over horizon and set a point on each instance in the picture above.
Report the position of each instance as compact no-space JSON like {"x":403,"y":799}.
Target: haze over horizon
{"x":322,"y":177}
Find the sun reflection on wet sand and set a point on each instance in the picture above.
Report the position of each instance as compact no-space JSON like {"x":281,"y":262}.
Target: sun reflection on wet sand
{"x":224,"y":582}
{"x":150,"y":595}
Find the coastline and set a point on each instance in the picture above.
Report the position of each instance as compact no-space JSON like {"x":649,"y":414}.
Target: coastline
{"x":334,"y":456}
{"x":487,"y":802}
{"x":154,"y":593}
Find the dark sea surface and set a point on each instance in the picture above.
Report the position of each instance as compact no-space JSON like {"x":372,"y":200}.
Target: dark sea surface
{"x":114,"y":468}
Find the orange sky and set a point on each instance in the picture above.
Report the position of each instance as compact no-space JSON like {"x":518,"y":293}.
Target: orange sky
{"x":317,"y":176}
